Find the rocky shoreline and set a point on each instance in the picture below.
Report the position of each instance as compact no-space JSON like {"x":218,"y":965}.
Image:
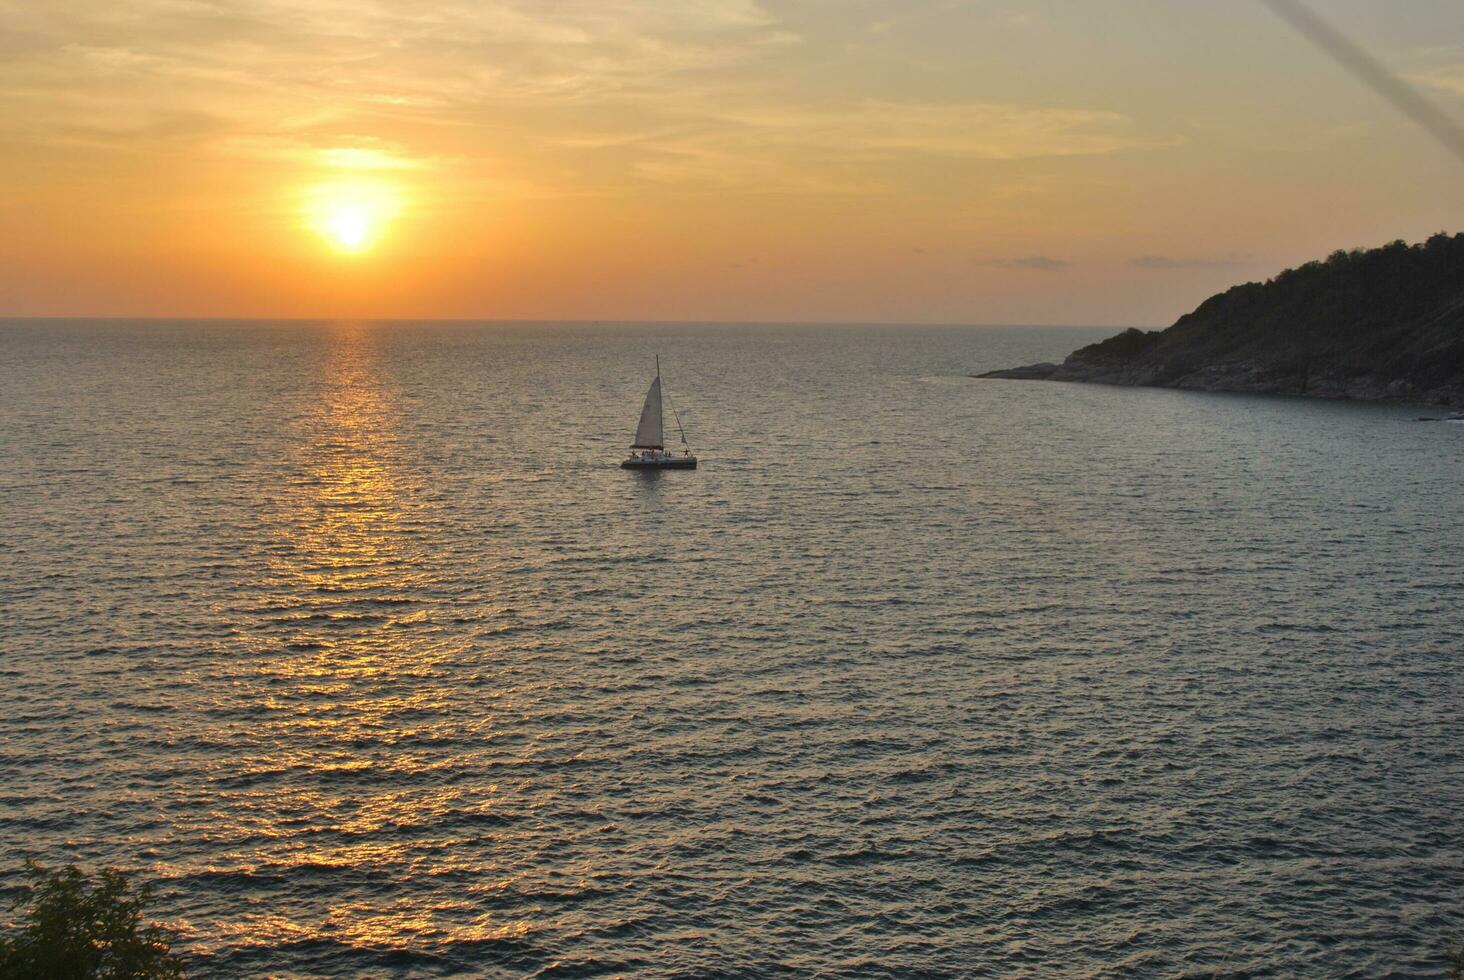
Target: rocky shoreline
{"x":1242,"y":376}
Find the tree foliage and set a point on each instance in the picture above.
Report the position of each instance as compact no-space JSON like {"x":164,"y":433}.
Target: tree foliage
{"x":70,"y":926}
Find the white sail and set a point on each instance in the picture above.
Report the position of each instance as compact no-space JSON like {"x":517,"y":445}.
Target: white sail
{"x":648,"y":433}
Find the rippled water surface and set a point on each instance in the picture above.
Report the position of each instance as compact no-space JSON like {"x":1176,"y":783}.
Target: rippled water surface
{"x":356,"y":640}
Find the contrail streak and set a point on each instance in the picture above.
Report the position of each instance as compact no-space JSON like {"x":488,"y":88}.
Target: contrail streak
{"x":1403,"y":96}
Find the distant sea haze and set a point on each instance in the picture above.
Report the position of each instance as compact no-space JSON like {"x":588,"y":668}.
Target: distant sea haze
{"x":356,"y":639}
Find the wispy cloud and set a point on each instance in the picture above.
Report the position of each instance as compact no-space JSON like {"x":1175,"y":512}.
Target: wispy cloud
{"x":1444,"y":78}
{"x":1042,"y":263}
{"x":1372,"y":73}
{"x":1186,"y":262}
{"x":587,"y":91}
{"x":277,"y":65}
{"x":839,"y":148}
{"x":972,"y":130}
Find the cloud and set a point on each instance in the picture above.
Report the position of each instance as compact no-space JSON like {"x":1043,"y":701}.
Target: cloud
{"x":1445,"y":78}
{"x":1372,"y":73}
{"x":1043,"y":263}
{"x":971,"y":130}
{"x":1183,"y":262}
{"x":361,"y":85}
{"x":445,"y":55}
{"x":840,"y":149}
{"x":561,"y":99}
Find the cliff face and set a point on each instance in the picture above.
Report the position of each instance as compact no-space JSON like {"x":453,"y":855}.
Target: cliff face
{"x":1387,"y":323}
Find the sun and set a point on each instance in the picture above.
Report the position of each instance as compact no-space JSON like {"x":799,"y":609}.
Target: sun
{"x":350,"y":226}
{"x":352,"y":215}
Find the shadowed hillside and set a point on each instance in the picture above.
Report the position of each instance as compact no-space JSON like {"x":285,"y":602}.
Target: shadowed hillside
{"x":1384,"y":323}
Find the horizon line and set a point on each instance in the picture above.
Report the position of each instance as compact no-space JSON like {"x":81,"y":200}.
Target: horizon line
{"x":615,"y":321}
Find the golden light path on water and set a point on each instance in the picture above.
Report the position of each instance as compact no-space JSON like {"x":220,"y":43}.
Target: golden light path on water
{"x":339,"y":746}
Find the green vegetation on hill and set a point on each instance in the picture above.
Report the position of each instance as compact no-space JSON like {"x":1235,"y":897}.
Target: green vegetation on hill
{"x":1378,"y":323}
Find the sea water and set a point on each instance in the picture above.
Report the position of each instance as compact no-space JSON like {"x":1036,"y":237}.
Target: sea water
{"x":355,"y":639}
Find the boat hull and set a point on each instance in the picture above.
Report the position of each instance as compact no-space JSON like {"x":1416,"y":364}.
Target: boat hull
{"x":665,"y":463}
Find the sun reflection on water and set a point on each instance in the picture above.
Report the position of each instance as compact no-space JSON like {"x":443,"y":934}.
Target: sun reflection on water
{"x":342,"y":770}
{"x":350,"y":568}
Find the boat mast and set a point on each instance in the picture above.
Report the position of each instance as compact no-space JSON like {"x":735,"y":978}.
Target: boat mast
{"x":674,"y":414}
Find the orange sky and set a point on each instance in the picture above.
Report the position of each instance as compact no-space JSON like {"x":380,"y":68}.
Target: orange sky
{"x":861,"y":160}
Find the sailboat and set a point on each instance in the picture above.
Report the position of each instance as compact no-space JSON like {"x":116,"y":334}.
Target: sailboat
{"x":648,"y":452}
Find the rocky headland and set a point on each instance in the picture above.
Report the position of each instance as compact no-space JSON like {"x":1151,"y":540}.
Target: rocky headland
{"x":1384,"y":323}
